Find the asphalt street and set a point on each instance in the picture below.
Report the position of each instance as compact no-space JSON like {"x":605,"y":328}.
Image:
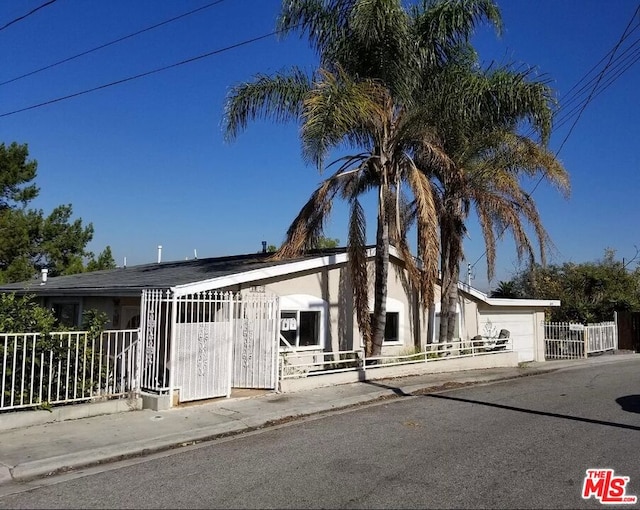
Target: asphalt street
{"x":522,"y":443}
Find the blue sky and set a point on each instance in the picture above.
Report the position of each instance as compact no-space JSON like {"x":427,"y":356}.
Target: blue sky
{"x":146,"y":163}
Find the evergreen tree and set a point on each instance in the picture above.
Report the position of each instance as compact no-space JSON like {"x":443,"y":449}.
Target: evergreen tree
{"x":29,"y":240}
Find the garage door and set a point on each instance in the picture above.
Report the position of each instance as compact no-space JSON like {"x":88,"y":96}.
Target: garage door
{"x":520,"y":325}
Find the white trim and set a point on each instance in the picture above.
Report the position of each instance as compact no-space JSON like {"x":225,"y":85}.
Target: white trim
{"x":432,"y":318}
{"x":393,"y":306}
{"x":507,"y":301}
{"x":304,"y":303}
{"x":270,"y":272}
{"x":328,"y":260}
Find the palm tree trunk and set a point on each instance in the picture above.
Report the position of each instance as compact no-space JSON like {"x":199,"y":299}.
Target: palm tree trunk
{"x":379,"y":319}
{"x":451,"y":230}
{"x":452,"y":307}
{"x":448,"y":298}
{"x":445,"y":287}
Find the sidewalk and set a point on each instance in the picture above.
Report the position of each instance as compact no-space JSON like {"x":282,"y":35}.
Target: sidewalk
{"x":43,"y":450}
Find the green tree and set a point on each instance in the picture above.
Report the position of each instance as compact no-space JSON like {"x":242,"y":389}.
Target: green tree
{"x":322,"y":243}
{"x":588,"y":291}
{"x":506,"y":290}
{"x":105,"y":260}
{"x":29,"y":240}
{"x":325,"y":243}
{"x":24,"y":315}
{"x":373,"y":93}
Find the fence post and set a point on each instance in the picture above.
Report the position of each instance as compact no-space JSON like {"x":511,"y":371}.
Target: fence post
{"x":586,"y":340}
{"x":615,"y":331}
{"x":173,"y":303}
{"x":138,"y":372}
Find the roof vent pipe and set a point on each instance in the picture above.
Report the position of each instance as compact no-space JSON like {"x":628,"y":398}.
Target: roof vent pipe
{"x":43,"y":274}
{"x":159,"y":253}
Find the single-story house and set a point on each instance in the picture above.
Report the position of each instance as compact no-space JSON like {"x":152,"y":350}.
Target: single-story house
{"x":311,"y":296}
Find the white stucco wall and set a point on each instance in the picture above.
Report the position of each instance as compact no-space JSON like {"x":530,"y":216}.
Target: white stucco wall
{"x":524,"y":326}
{"x":333,"y":286}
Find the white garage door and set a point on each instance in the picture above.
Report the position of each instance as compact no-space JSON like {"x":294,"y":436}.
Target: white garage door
{"x":520,"y":325}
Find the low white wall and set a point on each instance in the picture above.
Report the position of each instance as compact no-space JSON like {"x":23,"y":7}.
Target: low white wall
{"x":435,"y":366}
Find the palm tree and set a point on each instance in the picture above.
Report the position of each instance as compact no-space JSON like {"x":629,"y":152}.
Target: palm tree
{"x":506,"y":289}
{"x":362,"y":113}
{"x":490,"y":157}
{"x":369,"y":95}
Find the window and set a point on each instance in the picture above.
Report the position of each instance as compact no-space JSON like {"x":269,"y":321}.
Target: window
{"x":300,"y":329}
{"x":68,"y":314}
{"x":435,"y":332}
{"x":394,"y":331}
{"x":391,"y":328}
{"x":302,"y":322}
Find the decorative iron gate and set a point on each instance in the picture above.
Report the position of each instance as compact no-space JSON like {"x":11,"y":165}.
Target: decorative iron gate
{"x":205,"y":343}
{"x":255,"y":346}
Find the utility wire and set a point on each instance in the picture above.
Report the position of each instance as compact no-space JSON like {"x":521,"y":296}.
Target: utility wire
{"x":595,"y":66}
{"x":622,"y":65}
{"x":600,"y":76}
{"x":141,"y":75}
{"x":593,"y":90}
{"x":32,"y":11}
{"x":134,"y":34}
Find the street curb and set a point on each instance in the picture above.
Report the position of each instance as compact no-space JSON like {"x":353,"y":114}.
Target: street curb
{"x":5,"y":474}
{"x":34,"y":470}
{"x":44,"y":468}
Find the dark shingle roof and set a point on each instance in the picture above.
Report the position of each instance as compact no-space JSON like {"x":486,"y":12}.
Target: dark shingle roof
{"x":131,"y":280}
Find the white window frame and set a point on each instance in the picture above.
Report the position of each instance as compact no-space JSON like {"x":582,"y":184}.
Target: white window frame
{"x":435,"y":329}
{"x":296,"y":303}
{"x":393,"y":306}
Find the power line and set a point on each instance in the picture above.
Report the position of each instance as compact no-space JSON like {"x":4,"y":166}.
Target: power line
{"x":622,"y":65}
{"x":593,"y":90}
{"x":32,"y":11}
{"x":141,"y":75}
{"x":110,"y":43}
{"x":595,"y":66}
{"x":592,"y":94}
{"x":627,"y":54}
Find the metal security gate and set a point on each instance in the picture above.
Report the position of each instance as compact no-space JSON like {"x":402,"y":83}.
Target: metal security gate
{"x":255,"y":347}
{"x":203,"y":344}
{"x":565,"y":340}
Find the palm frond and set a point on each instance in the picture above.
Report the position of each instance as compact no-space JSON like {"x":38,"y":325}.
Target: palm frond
{"x":340,"y":111}
{"x":279,"y":98}
{"x":427,"y":228}
{"x":308,"y":226}
{"x":358,"y":269}
{"x":442,"y":26}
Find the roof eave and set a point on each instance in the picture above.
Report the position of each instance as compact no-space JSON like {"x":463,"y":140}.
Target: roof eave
{"x":535,"y":303}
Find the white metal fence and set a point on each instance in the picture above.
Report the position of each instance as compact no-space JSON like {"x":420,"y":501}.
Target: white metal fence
{"x":565,"y":340}
{"x":205,"y":343}
{"x":300,"y":364}
{"x":65,"y":367}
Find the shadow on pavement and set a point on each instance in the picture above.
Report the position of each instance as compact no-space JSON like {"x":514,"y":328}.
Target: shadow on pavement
{"x":629,"y":403}
{"x":396,"y":390}
{"x":543,"y":413}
